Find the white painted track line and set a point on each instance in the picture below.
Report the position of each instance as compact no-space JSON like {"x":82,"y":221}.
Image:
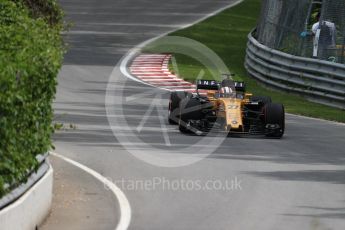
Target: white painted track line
{"x":125,"y":208}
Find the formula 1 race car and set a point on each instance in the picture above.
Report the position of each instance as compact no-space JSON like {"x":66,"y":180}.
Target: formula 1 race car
{"x":225,"y":106}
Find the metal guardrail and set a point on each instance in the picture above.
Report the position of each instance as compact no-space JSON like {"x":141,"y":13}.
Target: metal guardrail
{"x":317,"y":80}
{"x":33,"y":177}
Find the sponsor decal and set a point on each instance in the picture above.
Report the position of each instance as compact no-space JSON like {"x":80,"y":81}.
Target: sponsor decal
{"x":233,"y":107}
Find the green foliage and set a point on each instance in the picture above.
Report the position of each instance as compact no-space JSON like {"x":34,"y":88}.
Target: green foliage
{"x":31,"y":51}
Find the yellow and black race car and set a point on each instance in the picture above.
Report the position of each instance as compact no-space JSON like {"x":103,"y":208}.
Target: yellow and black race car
{"x":225,"y":106}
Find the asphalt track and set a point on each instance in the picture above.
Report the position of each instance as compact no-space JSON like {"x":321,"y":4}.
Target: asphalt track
{"x":293,"y":183}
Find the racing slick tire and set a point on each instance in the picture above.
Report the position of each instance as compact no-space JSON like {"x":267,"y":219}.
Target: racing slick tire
{"x":174,"y":103}
{"x":275,"y":115}
{"x":190,"y":109}
{"x":263,"y":99}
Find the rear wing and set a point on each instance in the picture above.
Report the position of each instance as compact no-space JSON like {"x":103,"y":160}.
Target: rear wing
{"x":214,"y":85}
{"x":207,"y":84}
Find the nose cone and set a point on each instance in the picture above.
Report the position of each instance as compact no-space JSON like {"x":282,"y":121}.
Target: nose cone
{"x":233,"y":110}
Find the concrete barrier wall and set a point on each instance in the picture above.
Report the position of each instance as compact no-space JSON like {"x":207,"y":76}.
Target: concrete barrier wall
{"x":30,"y":210}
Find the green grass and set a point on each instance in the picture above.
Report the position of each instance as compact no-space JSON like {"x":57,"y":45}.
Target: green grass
{"x":226,"y":34}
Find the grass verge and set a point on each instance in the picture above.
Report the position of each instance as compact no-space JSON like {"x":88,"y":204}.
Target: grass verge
{"x":226,"y":34}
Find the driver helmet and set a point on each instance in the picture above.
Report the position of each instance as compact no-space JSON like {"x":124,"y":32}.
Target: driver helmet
{"x":227,"y":91}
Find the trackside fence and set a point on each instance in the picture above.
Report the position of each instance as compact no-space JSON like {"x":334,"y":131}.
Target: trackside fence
{"x":318,"y":80}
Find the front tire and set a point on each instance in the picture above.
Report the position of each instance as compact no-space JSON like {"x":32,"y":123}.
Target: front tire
{"x":190,"y":109}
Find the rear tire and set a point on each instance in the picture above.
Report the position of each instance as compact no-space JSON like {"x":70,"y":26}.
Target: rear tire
{"x":175,"y":98}
{"x":275,"y":114}
{"x":263,"y":99}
